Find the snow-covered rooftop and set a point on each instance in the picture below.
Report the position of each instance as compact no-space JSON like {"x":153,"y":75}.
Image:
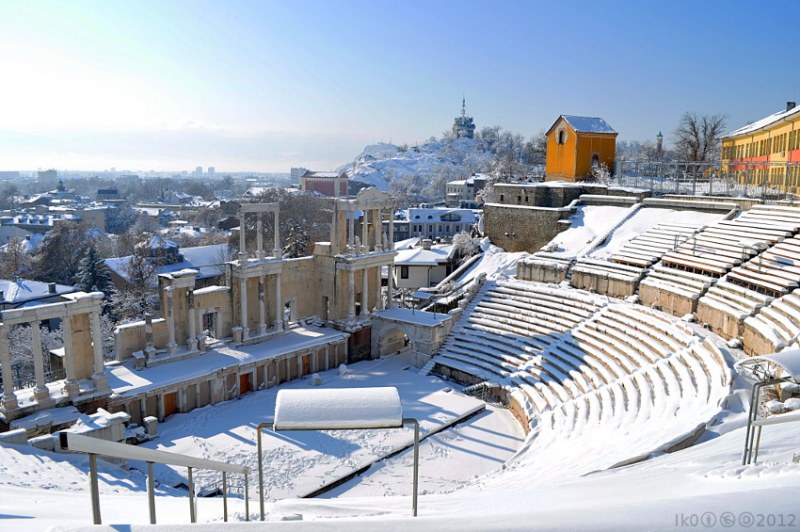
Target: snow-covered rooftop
{"x":438,"y":254}
{"x":208,"y":260}
{"x":322,"y":174}
{"x":764,"y":122}
{"x":23,"y":290}
{"x":587,"y":124}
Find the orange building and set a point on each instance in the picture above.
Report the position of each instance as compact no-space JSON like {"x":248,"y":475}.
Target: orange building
{"x":766,"y":151}
{"x":576,"y":144}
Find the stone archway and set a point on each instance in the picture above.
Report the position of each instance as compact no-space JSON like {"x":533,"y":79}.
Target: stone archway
{"x":394,"y":341}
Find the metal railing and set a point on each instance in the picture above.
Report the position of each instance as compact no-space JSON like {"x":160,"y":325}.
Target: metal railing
{"x":95,"y":447}
{"x":770,"y":181}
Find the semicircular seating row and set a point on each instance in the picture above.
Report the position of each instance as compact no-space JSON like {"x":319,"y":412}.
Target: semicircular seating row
{"x":580,"y":363}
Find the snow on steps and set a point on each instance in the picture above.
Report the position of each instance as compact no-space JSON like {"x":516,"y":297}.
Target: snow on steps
{"x":646,"y":248}
{"x":620,"y":372}
{"x":726,"y":305}
{"x":774,"y":326}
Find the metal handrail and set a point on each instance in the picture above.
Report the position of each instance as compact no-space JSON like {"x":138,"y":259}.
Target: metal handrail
{"x":95,"y":446}
{"x":752,"y":441}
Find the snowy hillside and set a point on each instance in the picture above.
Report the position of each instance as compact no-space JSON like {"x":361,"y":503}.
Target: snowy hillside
{"x":446,"y":159}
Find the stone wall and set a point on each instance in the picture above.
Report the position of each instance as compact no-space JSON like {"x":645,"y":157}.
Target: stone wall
{"x":230,"y":382}
{"x":518,"y":228}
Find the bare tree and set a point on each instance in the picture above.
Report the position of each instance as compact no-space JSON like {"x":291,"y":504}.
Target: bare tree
{"x":698,"y":138}
{"x":14,"y":261}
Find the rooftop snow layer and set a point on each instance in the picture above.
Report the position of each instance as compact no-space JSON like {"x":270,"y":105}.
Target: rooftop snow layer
{"x":764,"y":122}
{"x":586,"y":124}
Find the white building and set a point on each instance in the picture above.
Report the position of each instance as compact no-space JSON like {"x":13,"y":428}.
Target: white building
{"x":434,"y":223}
{"x":462,"y":193}
{"x":423,"y":266}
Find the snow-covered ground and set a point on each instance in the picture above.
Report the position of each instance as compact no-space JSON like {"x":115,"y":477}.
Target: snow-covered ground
{"x":297,"y":462}
{"x":304,"y":461}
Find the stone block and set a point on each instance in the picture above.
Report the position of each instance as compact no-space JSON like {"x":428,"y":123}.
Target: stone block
{"x":151,"y":425}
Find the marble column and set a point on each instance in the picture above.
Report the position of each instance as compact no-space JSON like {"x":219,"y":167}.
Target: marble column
{"x":390,"y":280}
{"x":259,"y":237}
{"x":98,"y":375}
{"x":71,"y":383}
{"x":364,"y":231}
{"x":262,"y":307}
{"x":378,"y":228}
{"x":351,"y":295}
{"x":243,"y":307}
{"x":276,"y":235}
{"x":191,"y":343}
{"x":40,"y":393}
{"x":378,"y":298}
{"x":351,"y":230}
{"x":9,"y":399}
{"x":172,"y":347}
{"x":242,"y":247}
{"x":278,"y":302}
{"x":365,"y":293}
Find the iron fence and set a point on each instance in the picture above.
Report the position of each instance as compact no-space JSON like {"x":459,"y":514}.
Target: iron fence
{"x":768,"y":181}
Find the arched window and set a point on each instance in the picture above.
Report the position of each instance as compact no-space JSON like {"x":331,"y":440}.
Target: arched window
{"x":562,"y":137}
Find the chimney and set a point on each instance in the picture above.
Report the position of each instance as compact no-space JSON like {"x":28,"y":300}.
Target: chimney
{"x":790,"y":105}
{"x":426,"y":244}
{"x":51,"y":288}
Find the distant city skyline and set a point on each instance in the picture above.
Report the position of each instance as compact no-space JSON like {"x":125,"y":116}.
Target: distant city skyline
{"x":264,"y":86}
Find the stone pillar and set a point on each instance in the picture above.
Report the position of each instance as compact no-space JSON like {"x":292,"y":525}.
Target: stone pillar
{"x":192,"y":341}
{"x":365,"y":293}
{"x":351,"y":230}
{"x":98,"y":375}
{"x":242,"y":247}
{"x":276,"y":235}
{"x":278,"y":302}
{"x":172,"y":347}
{"x":243,"y":307}
{"x":262,"y":307}
{"x":378,"y":298}
{"x":40,"y":393}
{"x":364,"y":231}
{"x":71,"y":383}
{"x":150,"y":348}
{"x":377,"y":218}
{"x":351,"y":295}
{"x":259,"y":238}
{"x":390,"y":280}
{"x":9,"y":399}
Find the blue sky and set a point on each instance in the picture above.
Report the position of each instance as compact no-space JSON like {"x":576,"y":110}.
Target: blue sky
{"x":263,"y":86}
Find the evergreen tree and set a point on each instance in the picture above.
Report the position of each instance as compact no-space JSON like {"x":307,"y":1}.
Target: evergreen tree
{"x":93,"y":273}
